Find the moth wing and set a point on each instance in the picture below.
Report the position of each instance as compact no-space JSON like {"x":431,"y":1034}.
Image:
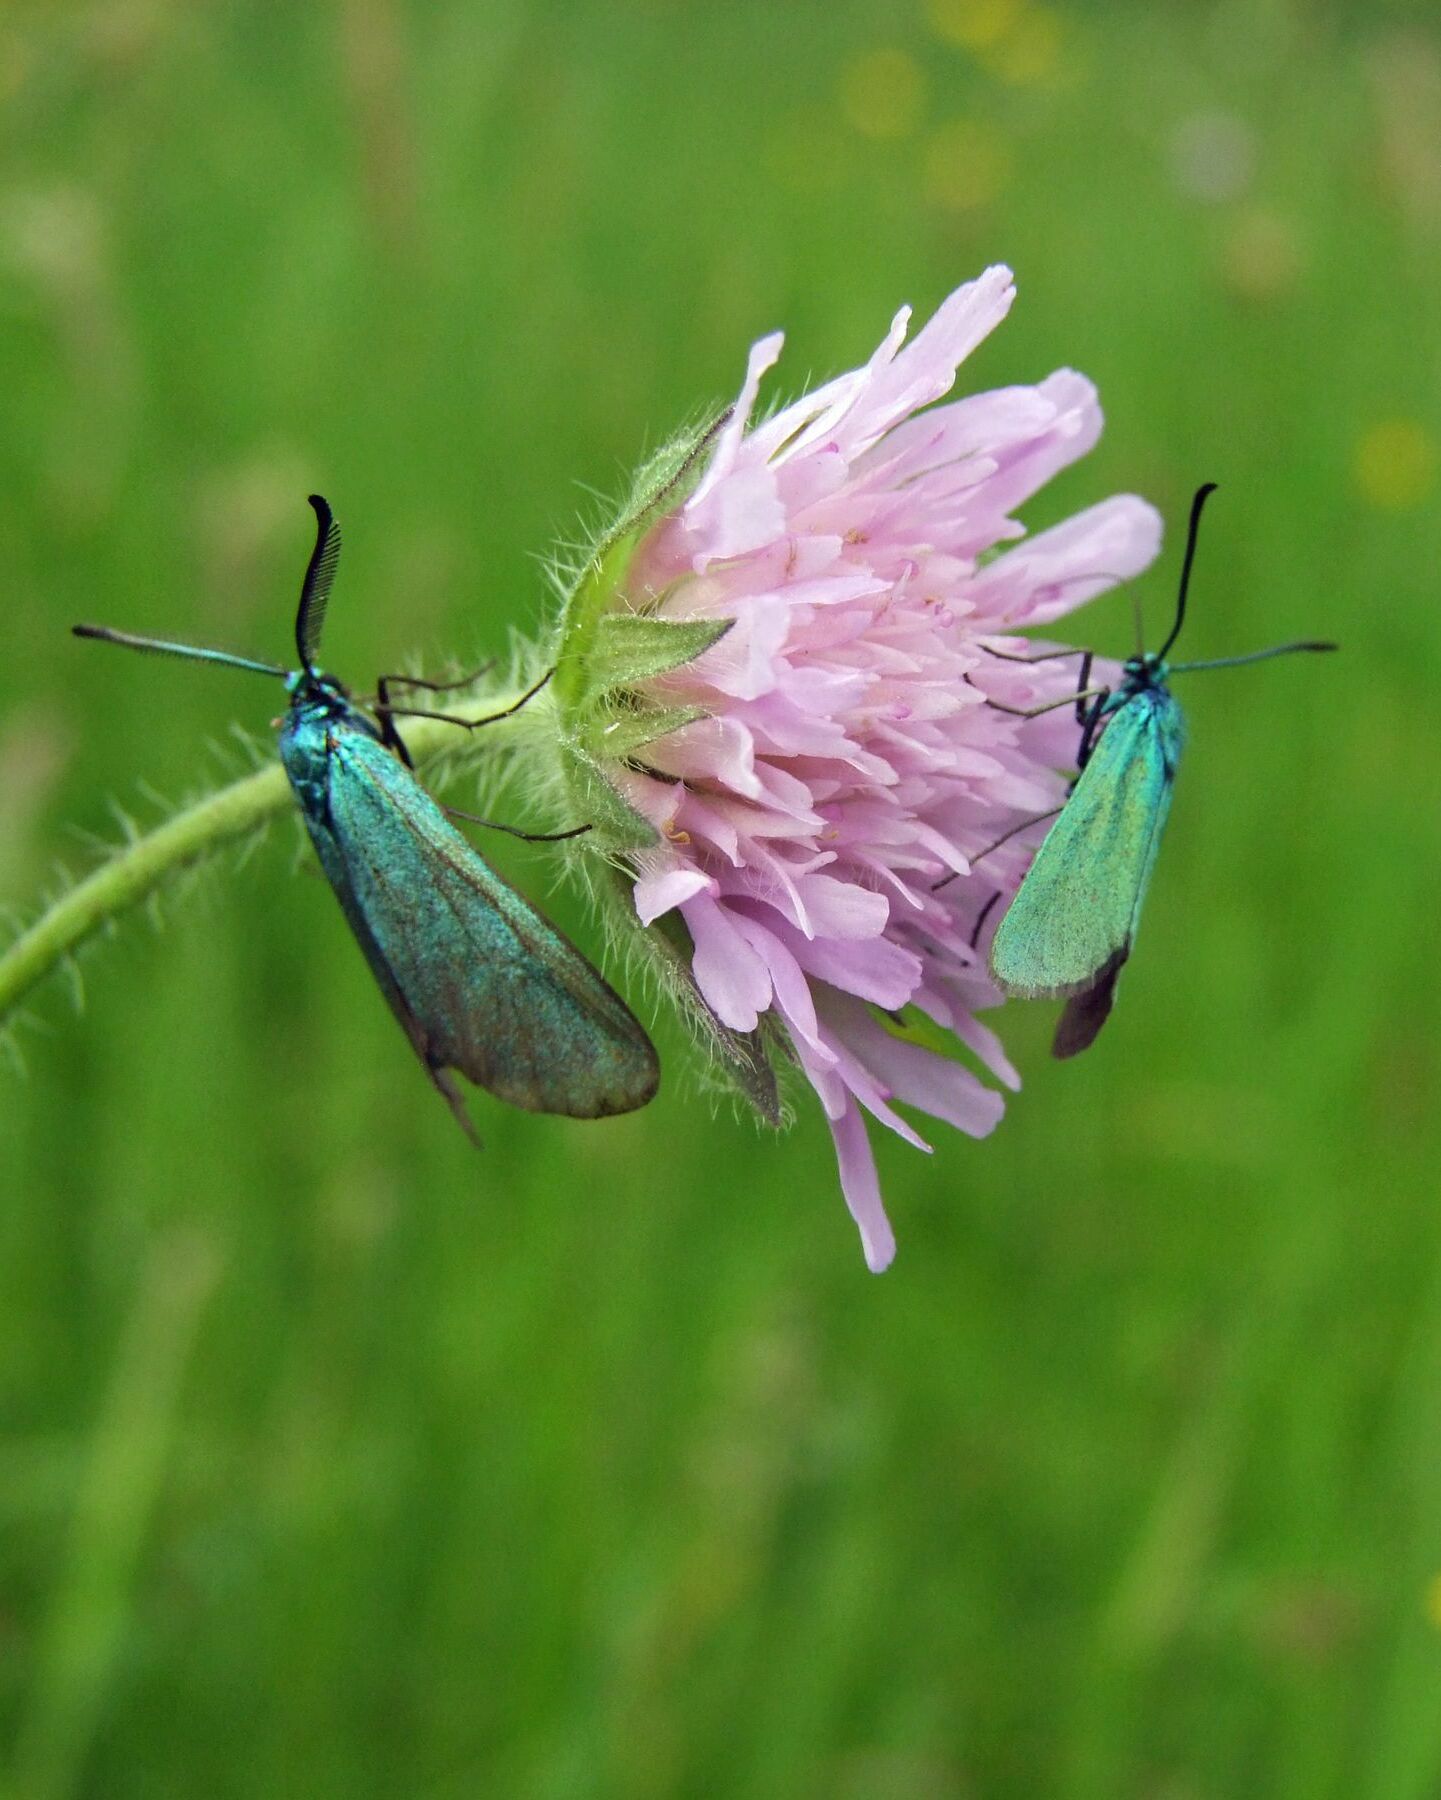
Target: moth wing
{"x":335,"y":863}
{"x":482,"y":983}
{"x":1085,"y":1013}
{"x":1069,"y":929}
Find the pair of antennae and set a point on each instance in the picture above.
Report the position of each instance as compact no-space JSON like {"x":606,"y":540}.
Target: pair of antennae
{"x":309,"y":616}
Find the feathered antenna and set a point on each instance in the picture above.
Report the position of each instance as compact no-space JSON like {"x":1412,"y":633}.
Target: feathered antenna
{"x":315,"y":589}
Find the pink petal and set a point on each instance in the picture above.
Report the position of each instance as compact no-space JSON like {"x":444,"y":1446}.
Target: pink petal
{"x":963,"y":429}
{"x":926,"y":369}
{"x":1059,"y":570}
{"x":733,"y":980}
{"x":1073,"y":432}
{"x":861,"y":1186}
{"x":715,"y":749}
{"x":744,"y":662}
{"x":840,"y":909}
{"x":764,"y":355}
{"x":744,"y":514}
{"x":658,"y":890}
{"x":792,"y":991}
{"x":946,"y":1090}
{"x":883,"y":972}
{"x":985,"y":1044}
{"x":802,"y":427}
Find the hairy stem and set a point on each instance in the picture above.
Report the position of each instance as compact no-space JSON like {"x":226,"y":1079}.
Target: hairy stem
{"x":140,"y":868}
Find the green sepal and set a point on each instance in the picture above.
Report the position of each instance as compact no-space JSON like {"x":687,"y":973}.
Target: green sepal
{"x":666,"y":479}
{"x":661,"y":484}
{"x":631,"y":647}
{"x":750,"y":1070}
{"x":590,"y":599}
{"x":626,"y":732}
{"x":615,"y":824}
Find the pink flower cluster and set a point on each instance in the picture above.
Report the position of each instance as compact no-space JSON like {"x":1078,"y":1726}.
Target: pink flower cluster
{"x":850,"y":760}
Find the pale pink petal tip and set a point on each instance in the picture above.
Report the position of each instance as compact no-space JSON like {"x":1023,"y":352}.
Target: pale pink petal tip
{"x":863,"y":543}
{"x":862,"y":1189}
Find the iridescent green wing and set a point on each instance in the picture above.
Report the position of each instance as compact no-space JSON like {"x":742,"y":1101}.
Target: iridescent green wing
{"x":1075,"y":914}
{"x":480,"y":981}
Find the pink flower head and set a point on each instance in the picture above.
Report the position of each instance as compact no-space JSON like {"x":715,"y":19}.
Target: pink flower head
{"x":848,"y":759}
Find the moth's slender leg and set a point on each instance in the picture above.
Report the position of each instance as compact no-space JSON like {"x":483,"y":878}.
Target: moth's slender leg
{"x":385,"y":710}
{"x":529,"y":837}
{"x":1078,"y":699}
{"x":1081,"y":683}
{"x":386,"y":682}
{"x":1035,"y":712}
{"x":1088,"y":728}
{"x":1040,"y":656}
{"x":450,"y":1093}
{"x":1004,"y":838}
{"x":417,"y":712}
{"x":981,"y":918}
{"x":391,"y":738}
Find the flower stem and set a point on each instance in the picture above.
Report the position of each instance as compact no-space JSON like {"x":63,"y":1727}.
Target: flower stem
{"x":140,"y":868}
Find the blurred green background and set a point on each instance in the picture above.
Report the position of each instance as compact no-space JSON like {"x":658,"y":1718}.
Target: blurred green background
{"x":339,"y":1461}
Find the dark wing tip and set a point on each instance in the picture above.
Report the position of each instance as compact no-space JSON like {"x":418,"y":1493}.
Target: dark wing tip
{"x":632,"y":1097}
{"x":1085,"y":1013}
{"x":635,"y":1085}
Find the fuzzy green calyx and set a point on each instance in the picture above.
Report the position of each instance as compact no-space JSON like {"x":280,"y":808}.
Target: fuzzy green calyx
{"x":612,"y":641}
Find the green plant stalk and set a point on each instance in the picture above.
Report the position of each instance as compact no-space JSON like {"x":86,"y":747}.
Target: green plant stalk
{"x":139,"y":869}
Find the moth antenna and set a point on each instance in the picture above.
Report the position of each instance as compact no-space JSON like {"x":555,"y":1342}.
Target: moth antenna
{"x":128,"y":640}
{"x":315,"y":589}
{"x":1236,"y":662}
{"x":1203,"y":493}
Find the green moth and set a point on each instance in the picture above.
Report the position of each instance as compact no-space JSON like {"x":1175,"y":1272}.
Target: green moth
{"x":1069,"y":929}
{"x":479,"y":981}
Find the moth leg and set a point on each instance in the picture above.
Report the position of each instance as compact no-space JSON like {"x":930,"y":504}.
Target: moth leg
{"x":981,"y":918}
{"x":389,"y":736}
{"x":386,"y":682}
{"x":450,"y":1093}
{"x":1081,"y":685}
{"x":1089,"y":724}
{"x":529,"y":837}
{"x":1004,"y":838}
{"x":419,"y":712}
{"x":1035,"y":712}
{"x":1040,"y":656}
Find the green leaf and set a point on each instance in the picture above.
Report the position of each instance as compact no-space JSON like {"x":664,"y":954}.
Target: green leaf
{"x":630,"y":647}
